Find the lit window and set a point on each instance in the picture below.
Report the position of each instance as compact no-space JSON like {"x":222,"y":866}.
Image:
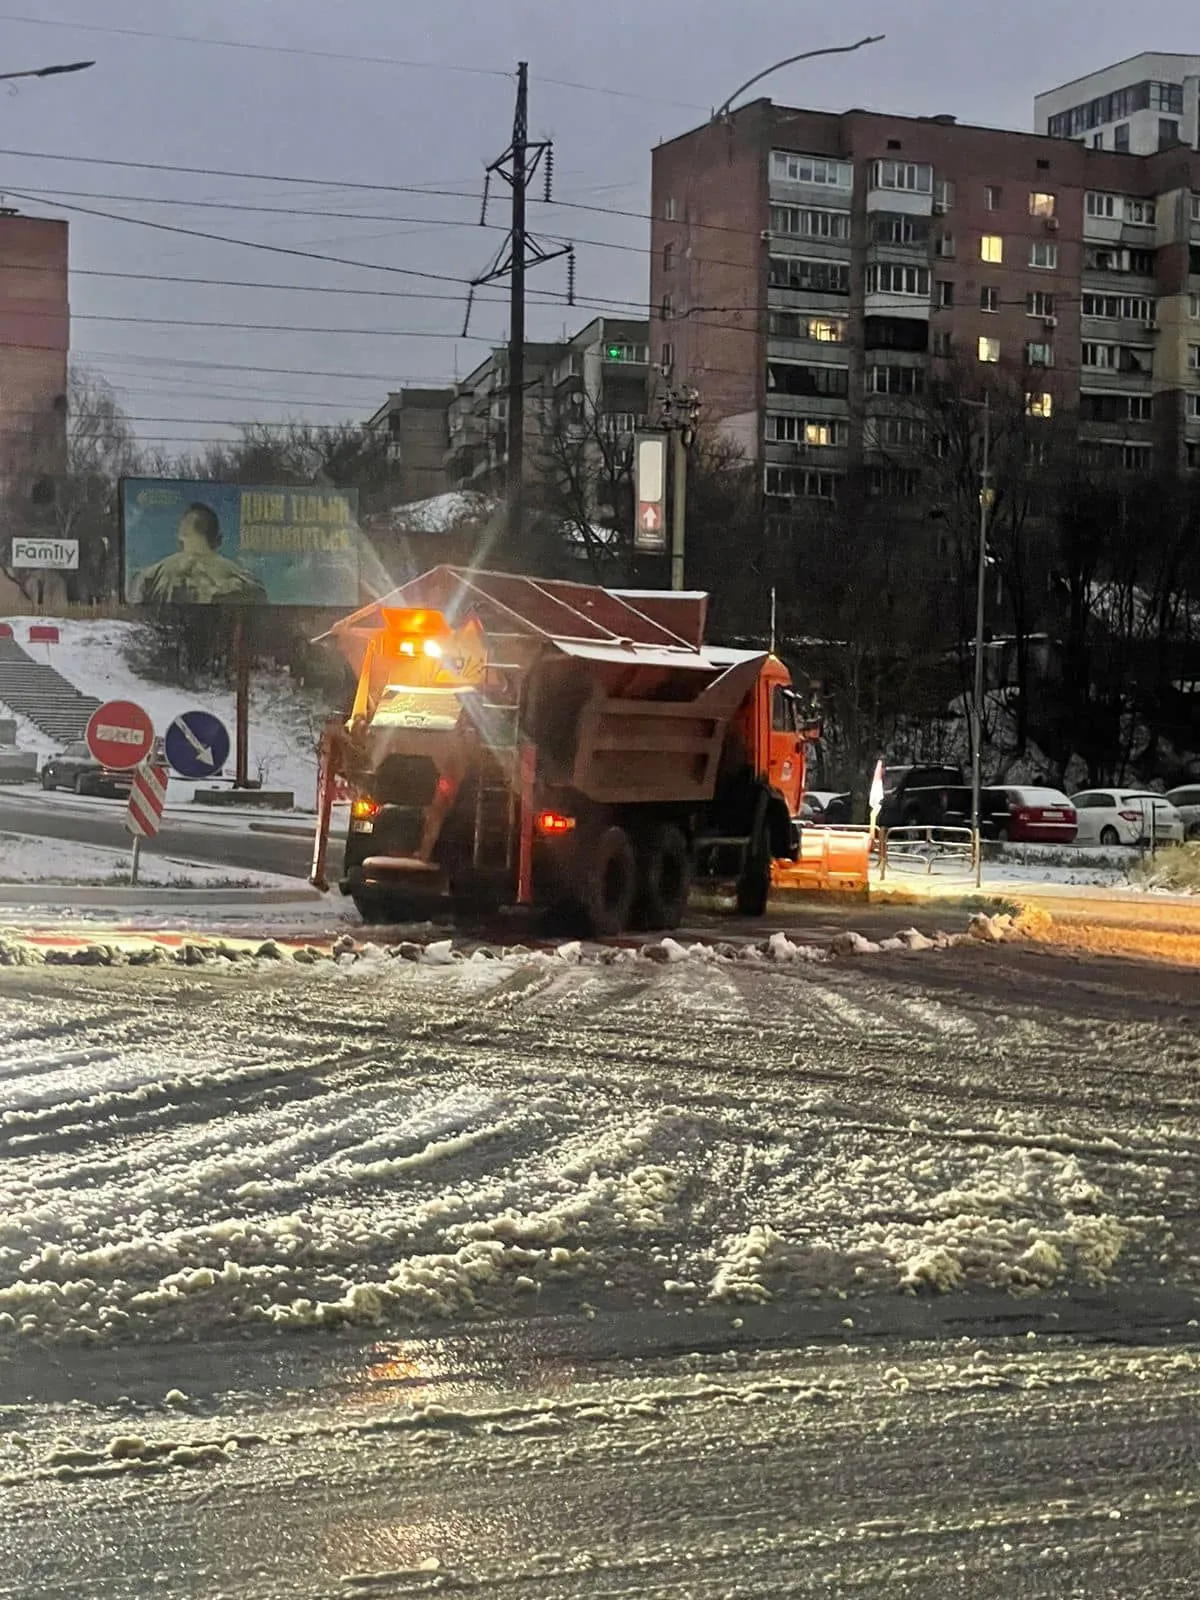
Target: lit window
{"x":1040,"y":405}
{"x":818,"y":433}
{"x":1042,"y":205}
{"x":825,"y":332}
{"x":1044,"y":255}
{"x":989,"y":349}
{"x":991,"y":248}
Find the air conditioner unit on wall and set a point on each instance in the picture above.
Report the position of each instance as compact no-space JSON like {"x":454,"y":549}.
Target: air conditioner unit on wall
{"x":1050,"y":322}
{"x":1052,"y":224}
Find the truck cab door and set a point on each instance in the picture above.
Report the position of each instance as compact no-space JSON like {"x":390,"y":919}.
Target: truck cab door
{"x":786,"y":748}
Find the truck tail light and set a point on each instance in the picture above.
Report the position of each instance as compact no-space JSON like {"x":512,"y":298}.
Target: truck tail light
{"x":552,"y":822}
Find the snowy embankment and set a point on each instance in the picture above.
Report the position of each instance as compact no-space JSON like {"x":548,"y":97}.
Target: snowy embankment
{"x":92,"y":656}
{"x":375,"y":1139}
{"x":26,"y":858}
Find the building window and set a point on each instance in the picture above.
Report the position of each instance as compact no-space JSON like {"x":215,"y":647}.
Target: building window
{"x":1099,"y":355}
{"x":1141,"y":212}
{"x":1166,"y":97}
{"x":1193,"y":406}
{"x":799,"y":325}
{"x":621,"y":350}
{"x":1039,"y":304}
{"x":823,"y":331}
{"x":1194,"y":358}
{"x":1039,"y":354}
{"x":1137,"y":457}
{"x":945,"y":246}
{"x":1040,"y":405}
{"x":668,"y":258}
{"x":943,"y":195}
{"x":896,"y":227}
{"x":671,"y":209}
{"x":910,"y":176}
{"x":1196,"y":208}
{"x":1042,"y":204}
{"x":1168,"y":133}
{"x":1121,"y":138}
{"x":896,"y":380}
{"x":1120,"y":307}
{"x":668,"y":357}
{"x":890,"y":278}
{"x":1194,"y":307}
{"x":991,"y":248}
{"x":667,"y":308}
{"x":989,"y":298}
{"x":618,"y":424}
{"x":804,"y":483}
{"x":893,"y":483}
{"x":1097,"y":141}
{"x":794,"y":377}
{"x":802,"y":222}
{"x":1140,"y":407}
{"x":894,"y":432}
{"x":789,"y":168}
{"x":989,"y":349}
{"x":819,"y":432}
{"x":993,"y":197}
{"x":1044,"y":255}
{"x":1101,"y":205}
{"x":812,"y":277}
{"x":943,"y":343}
{"x":945,"y":292}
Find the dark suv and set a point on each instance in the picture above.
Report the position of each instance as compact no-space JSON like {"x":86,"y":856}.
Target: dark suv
{"x":77,"y":768}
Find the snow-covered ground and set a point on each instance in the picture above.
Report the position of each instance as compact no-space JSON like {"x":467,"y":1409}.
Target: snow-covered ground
{"x":377,"y":1142}
{"x":28,"y":858}
{"x":284,"y":723}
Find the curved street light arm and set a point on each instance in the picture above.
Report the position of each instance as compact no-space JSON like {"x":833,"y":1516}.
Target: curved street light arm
{"x":806,"y":55}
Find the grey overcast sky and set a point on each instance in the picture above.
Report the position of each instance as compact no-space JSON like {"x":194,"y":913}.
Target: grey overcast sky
{"x":406,"y":111}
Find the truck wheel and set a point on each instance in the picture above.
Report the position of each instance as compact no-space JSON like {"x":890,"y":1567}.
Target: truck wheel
{"x":754,"y":885}
{"x":665,"y":873}
{"x":607,"y":883}
{"x":383,"y":910}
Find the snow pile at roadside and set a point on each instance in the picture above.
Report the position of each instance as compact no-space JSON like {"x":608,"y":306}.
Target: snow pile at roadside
{"x":284,"y":724}
{"x":502,"y":1131}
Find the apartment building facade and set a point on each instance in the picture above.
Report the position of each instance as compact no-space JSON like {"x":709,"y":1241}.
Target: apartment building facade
{"x":1136,"y":107}
{"x":812,"y":272}
{"x":415,"y":423}
{"x":34,"y":346}
{"x":592,"y":385}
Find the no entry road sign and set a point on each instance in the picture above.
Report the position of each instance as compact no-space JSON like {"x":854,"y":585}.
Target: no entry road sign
{"x":197,"y":744}
{"x":146,"y":801}
{"x":120,"y":734}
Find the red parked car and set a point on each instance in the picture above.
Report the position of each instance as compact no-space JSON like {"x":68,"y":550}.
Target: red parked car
{"x":1037,"y":816}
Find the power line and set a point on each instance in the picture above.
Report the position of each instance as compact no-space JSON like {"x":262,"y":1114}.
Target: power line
{"x":339,"y":55}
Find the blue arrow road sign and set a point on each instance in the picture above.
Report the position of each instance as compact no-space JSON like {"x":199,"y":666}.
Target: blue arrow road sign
{"x":197,"y":744}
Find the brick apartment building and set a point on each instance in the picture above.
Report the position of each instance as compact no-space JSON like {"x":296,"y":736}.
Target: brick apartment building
{"x":34,"y":343}
{"x":811,"y":272}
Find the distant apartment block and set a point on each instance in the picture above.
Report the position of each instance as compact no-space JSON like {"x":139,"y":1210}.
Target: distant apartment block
{"x":811,"y":273}
{"x":1137,"y":107}
{"x":414,"y":421}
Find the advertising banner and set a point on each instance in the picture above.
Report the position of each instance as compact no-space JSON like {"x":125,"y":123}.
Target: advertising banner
{"x":202,"y":543}
{"x":49,"y":555}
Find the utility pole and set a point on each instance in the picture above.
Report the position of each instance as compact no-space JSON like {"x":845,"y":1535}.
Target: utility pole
{"x":680,"y":414}
{"x":517,"y":167}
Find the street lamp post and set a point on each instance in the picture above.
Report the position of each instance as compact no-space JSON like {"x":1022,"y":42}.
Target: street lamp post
{"x":805,"y":55}
{"x":985,"y":506}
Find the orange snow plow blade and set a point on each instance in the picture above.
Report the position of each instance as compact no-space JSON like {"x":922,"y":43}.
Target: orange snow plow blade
{"x":830,"y":859}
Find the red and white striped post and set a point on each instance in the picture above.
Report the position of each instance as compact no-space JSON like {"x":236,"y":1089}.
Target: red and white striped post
{"x":147,"y":799}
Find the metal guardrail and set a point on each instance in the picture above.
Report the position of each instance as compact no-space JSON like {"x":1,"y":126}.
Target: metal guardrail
{"x":928,"y":851}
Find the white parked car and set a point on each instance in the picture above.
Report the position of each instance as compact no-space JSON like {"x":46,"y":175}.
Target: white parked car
{"x":1186,"y":801}
{"x":1126,"y":816}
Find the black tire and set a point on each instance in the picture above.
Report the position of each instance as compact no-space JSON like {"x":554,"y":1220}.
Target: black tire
{"x":664,"y":879}
{"x":1109,"y":836}
{"x":1001,"y":834}
{"x":47,"y":781}
{"x":385,"y":910}
{"x":754,"y":885}
{"x":1193,"y":832}
{"x":81,"y":784}
{"x":606,"y":883}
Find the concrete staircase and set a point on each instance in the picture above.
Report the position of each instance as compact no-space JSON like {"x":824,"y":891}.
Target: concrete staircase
{"x":43,"y":695}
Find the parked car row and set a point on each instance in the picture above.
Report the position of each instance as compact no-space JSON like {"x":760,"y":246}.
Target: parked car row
{"x":1024,"y":814}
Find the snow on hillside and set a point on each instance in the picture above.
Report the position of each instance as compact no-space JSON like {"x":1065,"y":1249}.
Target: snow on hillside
{"x":284,"y":722}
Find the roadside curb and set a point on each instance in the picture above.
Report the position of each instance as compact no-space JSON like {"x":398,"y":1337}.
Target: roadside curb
{"x":83,"y":896}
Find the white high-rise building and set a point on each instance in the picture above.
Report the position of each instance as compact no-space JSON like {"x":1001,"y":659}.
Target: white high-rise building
{"x":1139,"y":106}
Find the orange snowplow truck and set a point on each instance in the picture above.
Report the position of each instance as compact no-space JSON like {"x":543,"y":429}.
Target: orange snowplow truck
{"x":515,"y":741}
